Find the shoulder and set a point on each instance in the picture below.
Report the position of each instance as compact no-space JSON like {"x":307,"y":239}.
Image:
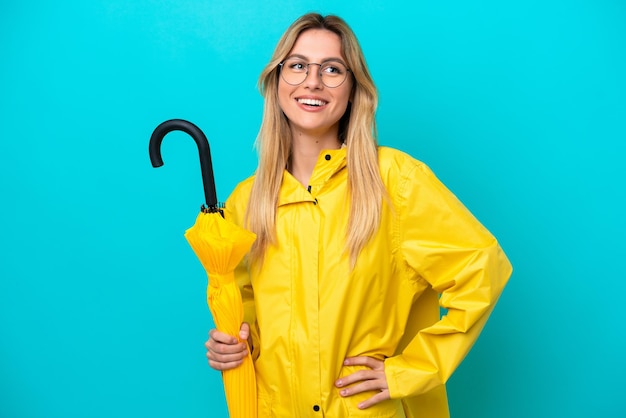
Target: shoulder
{"x":408,"y":179}
{"x":394,"y":159}
{"x":237,"y":202}
{"x":397,"y":166}
{"x":242,"y":190}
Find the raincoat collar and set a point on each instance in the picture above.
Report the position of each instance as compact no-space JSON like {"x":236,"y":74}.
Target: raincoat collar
{"x":329,"y":162}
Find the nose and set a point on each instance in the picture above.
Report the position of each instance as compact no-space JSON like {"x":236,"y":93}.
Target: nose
{"x":313,"y":76}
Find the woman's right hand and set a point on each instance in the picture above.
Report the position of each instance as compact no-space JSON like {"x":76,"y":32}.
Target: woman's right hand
{"x":226,"y":352}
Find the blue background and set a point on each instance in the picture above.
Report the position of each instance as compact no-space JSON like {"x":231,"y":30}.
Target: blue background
{"x":518,"y":106}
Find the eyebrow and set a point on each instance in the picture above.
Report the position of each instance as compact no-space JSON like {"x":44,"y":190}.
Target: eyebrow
{"x":324,"y":60}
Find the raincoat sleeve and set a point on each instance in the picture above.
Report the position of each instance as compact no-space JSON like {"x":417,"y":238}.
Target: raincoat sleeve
{"x":249,"y":311}
{"x":447,"y":249}
{"x":234,"y":211}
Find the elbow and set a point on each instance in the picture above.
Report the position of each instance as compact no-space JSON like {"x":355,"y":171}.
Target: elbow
{"x":474,"y":294}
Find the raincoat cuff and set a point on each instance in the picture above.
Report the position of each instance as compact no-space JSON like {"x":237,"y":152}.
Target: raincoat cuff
{"x":405,"y":379}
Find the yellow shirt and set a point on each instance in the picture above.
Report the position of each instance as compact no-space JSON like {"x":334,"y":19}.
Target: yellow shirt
{"x":310,"y":311}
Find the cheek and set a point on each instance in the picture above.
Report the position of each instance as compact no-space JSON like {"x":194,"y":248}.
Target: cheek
{"x":345,"y":99}
{"x":283,"y":97}
{"x":346,"y":93}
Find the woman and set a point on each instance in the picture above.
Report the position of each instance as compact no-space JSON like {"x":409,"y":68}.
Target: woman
{"x":357,"y":247}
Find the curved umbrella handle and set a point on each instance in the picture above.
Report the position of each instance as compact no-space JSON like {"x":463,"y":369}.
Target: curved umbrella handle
{"x":206,"y":165}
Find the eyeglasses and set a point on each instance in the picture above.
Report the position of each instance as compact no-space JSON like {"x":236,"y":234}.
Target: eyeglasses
{"x":295,"y":70}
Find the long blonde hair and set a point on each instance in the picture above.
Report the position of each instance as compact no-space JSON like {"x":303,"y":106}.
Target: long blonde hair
{"x":357,"y":129}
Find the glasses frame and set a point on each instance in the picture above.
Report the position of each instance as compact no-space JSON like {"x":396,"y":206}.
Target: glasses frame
{"x":306,"y":73}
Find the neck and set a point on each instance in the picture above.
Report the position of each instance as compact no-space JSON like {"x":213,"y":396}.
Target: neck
{"x":305,"y":151}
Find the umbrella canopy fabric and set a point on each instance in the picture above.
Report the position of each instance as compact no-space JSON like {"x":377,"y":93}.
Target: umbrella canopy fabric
{"x":220,"y":245}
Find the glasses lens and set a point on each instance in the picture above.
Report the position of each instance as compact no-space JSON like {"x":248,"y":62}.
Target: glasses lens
{"x":294,"y":71}
{"x":333,"y":73}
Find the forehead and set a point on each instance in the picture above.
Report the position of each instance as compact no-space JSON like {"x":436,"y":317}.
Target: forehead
{"x":318,"y":44}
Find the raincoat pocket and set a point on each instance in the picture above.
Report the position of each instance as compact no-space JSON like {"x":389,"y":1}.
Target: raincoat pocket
{"x":391,"y":408}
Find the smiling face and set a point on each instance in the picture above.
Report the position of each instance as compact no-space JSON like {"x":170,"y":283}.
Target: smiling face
{"x":311,"y":107}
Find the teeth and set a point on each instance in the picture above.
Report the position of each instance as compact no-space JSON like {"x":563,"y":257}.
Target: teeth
{"x":312,"y":102}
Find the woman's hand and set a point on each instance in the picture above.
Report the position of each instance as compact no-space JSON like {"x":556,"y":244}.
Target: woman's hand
{"x":226,"y":352}
{"x":373,"y":379}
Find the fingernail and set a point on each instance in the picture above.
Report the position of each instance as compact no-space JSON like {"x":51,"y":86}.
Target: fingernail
{"x":343,"y":392}
{"x":339,"y":383}
{"x":345,"y":362}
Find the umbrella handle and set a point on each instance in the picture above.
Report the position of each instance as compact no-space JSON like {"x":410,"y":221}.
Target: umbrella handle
{"x":206,"y":166}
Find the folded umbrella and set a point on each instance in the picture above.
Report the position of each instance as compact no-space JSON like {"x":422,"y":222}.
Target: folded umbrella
{"x":220,"y":246}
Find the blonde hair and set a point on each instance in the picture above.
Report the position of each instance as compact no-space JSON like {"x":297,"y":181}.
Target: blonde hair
{"x":357,"y":129}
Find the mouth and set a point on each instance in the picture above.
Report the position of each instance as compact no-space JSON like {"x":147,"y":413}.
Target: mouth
{"x":312,"y":102}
